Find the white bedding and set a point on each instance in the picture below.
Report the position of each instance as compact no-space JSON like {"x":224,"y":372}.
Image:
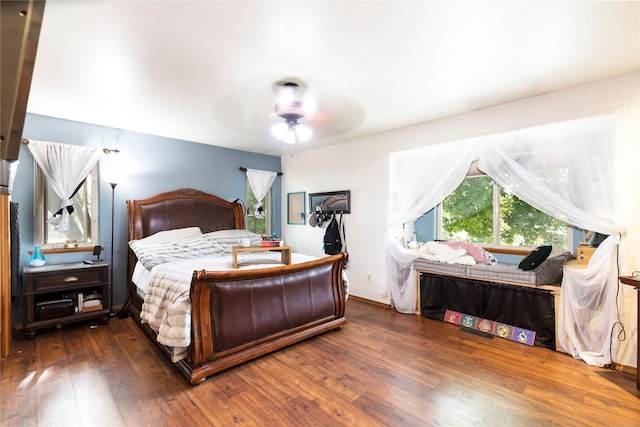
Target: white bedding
{"x":434,"y":251}
{"x":167,"y":308}
{"x":463,"y":253}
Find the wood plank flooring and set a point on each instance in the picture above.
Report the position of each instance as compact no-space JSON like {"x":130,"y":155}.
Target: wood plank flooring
{"x":382,"y":369}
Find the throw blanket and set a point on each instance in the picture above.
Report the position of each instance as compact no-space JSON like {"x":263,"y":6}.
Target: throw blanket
{"x":434,"y":251}
{"x":167,"y":306}
{"x":456,"y":253}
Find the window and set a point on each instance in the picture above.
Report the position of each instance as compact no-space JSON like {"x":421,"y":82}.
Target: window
{"x":83,"y":220}
{"x":258,"y":217}
{"x":479,"y":211}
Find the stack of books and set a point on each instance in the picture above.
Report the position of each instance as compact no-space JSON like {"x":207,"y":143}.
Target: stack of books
{"x":270,"y":243}
{"x":89,"y":302}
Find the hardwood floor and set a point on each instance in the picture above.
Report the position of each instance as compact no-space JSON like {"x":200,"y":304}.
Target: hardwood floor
{"x":382,"y":369}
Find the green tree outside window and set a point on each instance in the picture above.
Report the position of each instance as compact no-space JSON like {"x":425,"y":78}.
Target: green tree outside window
{"x":468,"y":215}
{"x":258,"y":221}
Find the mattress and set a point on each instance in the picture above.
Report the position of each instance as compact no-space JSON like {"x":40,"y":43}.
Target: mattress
{"x":440,"y":267}
{"x":501,"y":272}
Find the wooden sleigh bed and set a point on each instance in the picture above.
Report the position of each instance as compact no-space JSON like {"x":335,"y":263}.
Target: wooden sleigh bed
{"x":236,"y":315}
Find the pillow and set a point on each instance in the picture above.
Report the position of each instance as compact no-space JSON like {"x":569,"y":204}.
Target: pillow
{"x":202,"y":246}
{"x":550,"y":271}
{"x":557,"y":251}
{"x":491,"y":259}
{"x":535,"y":258}
{"x":230,"y":238}
{"x":168,"y":236}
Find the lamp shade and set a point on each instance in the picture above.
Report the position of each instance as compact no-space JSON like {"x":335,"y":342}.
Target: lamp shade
{"x":112,"y":176}
{"x":290,"y":136}
{"x":303,"y":132}
{"x":279,"y":130}
{"x":291,"y":133}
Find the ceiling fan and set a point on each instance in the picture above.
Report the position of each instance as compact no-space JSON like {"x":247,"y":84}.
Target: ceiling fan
{"x":265,"y":101}
{"x":292,"y":111}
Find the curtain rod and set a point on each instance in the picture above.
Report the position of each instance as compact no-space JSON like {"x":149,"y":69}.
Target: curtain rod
{"x":24,"y":141}
{"x":243,"y":169}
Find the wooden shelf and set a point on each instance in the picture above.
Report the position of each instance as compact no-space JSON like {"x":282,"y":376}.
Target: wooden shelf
{"x":629,"y":280}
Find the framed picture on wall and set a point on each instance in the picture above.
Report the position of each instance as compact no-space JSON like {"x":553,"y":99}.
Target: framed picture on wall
{"x":331,"y":202}
{"x":295,"y":208}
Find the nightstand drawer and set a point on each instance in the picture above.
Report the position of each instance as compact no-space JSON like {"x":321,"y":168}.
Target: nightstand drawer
{"x":69,"y":277}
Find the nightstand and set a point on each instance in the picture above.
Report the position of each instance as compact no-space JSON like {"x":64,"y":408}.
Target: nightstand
{"x":629,"y":280}
{"x":55,"y":294}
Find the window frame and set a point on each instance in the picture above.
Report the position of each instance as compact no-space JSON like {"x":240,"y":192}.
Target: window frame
{"x":267,"y":203}
{"x":40,"y":215}
{"x":495,"y":245}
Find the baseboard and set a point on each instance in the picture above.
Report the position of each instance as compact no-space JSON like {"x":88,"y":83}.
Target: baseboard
{"x":368,"y":301}
{"x":626,"y":369}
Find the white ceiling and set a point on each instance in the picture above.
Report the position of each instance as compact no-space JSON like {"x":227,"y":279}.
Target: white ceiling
{"x":207,"y":71}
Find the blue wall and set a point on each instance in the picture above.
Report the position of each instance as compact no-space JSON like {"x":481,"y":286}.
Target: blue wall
{"x":150,"y":165}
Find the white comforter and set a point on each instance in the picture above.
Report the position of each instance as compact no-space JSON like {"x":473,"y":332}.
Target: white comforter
{"x":434,"y":251}
{"x":167,"y":307}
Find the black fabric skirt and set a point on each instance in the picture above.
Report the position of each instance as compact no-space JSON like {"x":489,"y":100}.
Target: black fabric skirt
{"x":521,"y":306}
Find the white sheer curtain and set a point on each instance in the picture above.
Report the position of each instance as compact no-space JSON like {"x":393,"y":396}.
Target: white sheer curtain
{"x":419,"y":180}
{"x":260,"y":182}
{"x":65,"y":166}
{"x":567,"y":170}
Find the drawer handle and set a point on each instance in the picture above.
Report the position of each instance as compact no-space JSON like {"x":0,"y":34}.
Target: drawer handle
{"x":70,"y":279}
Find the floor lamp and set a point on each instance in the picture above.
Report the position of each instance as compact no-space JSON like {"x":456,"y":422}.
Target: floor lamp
{"x":113,"y":194}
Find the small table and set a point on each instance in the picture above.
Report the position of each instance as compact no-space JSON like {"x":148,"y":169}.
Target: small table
{"x":629,"y":280}
{"x":285,"y":252}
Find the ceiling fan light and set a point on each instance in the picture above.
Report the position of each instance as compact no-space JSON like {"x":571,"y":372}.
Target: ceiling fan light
{"x":279,"y":130}
{"x":290,"y":135}
{"x":303,"y":132}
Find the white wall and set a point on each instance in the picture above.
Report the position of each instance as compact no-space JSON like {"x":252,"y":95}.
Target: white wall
{"x":361,"y":166}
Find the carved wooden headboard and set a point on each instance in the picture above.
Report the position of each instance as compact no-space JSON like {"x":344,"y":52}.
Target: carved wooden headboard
{"x":181,"y":208}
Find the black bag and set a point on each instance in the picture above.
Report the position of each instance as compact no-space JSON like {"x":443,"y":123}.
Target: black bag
{"x":596,"y":239}
{"x":535,"y":258}
{"x":332,"y":239}
{"x":51,"y":309}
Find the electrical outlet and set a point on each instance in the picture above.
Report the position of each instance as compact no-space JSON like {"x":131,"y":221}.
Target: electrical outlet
{"x":369,"y":277}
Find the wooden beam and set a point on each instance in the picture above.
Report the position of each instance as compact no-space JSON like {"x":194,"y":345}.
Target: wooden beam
{"x":19,"y":34}
{"x":20,"y":31}
{"x":5,"y":278}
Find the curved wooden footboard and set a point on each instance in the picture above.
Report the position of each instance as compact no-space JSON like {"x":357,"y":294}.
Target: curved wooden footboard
{"x":243,"y":314}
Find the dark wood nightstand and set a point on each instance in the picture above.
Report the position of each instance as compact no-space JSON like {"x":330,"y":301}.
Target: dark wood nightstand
{"x":53,"y":292}
{"x":629,"y":280}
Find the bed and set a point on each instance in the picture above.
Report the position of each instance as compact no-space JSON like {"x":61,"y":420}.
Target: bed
{"x":216,"y":318}
{"x":466,"y":279}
